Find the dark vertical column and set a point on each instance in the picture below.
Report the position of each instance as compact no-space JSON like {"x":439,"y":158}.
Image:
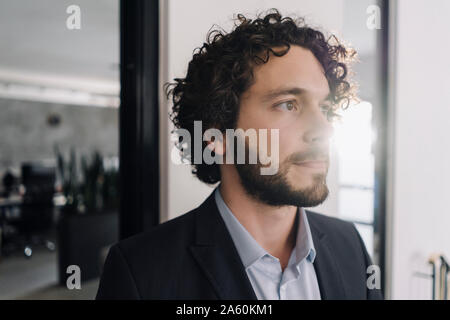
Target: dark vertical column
{"x":139,"y":131}
{"x":381,"y":123}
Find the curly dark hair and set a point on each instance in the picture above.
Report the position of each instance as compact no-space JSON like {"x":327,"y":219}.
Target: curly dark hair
{"x":222,"y":70}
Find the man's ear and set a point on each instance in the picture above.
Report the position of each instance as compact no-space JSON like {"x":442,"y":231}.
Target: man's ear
{"x":218,"y":145}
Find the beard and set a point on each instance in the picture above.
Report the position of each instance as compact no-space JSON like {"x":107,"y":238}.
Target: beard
{"x":275,"y":190}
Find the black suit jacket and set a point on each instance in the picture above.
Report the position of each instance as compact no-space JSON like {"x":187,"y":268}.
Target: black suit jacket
{"x":193,"y":257}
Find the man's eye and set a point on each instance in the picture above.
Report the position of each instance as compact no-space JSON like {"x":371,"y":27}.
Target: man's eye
{"x":287,"y":105}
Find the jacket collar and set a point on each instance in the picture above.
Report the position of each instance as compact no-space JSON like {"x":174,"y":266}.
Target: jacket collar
{"x":217,"y":256}
{"x":327,"y":270}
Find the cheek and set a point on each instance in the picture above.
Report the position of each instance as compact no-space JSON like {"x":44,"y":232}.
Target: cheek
{"x":289,"y":143}
{"x":289,"y":134}
{"x":277,"y":140}
{"x":255,"y":120}
{"x":284,"y":146}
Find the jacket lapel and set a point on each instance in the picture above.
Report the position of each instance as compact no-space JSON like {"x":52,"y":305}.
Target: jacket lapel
{"x":217,"y":256}
{"x":328,"y":275}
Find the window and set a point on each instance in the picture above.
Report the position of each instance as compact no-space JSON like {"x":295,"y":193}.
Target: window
{"x":353,"y":140}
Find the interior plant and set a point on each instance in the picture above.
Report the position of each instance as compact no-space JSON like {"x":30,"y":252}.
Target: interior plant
{"x":89,"y":187}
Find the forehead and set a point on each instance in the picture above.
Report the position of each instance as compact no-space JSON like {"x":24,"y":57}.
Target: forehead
{"x":297,"y":68}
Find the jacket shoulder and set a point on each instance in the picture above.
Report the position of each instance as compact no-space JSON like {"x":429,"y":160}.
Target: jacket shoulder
{"x":149,"y":263}
{"x":349,"y":250}
{"x":161,"y":238}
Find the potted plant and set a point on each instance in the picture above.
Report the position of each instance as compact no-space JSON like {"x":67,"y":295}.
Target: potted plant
{"x":88,"y":220}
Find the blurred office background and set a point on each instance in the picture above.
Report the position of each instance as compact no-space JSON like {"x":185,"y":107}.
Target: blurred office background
{"x":59,"y":99}
{"x":63,"y":124}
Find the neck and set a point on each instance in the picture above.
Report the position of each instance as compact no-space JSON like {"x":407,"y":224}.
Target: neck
{"x":273,"y":227}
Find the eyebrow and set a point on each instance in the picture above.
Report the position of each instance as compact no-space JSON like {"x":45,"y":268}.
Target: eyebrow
{"x":296,"y":91}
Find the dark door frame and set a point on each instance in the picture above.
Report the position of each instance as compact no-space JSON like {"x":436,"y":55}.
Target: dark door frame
{"x":381,"y":121}
{"x":139,"y":116}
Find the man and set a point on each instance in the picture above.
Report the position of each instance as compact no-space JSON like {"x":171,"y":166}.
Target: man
{"x":252,"y":237}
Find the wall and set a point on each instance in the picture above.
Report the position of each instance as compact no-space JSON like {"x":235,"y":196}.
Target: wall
{"x":420,"y":219}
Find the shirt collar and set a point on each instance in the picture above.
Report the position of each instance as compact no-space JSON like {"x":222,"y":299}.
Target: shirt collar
{"x":304,"y":247}
{"x":249,"y":249}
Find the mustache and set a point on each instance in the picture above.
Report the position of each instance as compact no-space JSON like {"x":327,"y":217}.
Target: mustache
{"x":313,"y":154}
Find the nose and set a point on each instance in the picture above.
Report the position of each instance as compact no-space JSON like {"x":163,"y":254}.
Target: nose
{"x":320,"y":129}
